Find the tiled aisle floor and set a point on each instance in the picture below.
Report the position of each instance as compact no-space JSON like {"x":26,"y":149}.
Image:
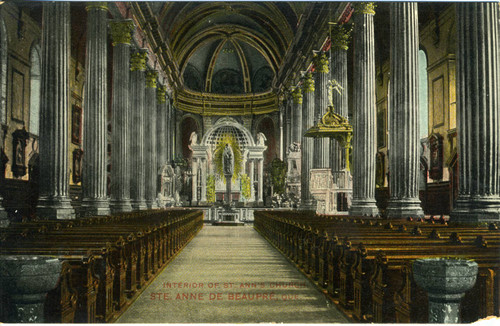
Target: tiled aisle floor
{"x":222,"y":264}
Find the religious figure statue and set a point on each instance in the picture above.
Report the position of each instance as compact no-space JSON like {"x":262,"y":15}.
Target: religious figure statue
{"x":294,"y":147}
{"x":193,"y":139}
{"x":228,"y":160}
{"x":261,"y":138}
{"x":177,"y":185}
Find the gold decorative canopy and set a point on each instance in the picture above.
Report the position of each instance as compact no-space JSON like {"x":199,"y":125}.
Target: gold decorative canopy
{"x":333,"y":126}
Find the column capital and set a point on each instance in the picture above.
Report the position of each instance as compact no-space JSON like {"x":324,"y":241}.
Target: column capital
{"x":138,"y":60}
{"x":364,"y":8}
{"x":101,"y":5}
{"x":297,"y":95}
{"x":161,"y":93}
{"x":321,"y":63}
{"x":151,"y":76}
{"x":121,"y":31}
{"x":340,"y":35}
{"x":308,"y":83}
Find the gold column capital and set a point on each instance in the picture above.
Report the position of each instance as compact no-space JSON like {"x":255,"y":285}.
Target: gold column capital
{"x":138,"y":60}
{"x":297,"y":95}
{"x":321,"y":63}
{"x":364,"y":8}
{"x":340,"y":35}
{"x":121,"y":31}
{"x":151,"y":76}
{"x":161,"y":93}
{"x":102,"y":5}
{"x":308,"y":83}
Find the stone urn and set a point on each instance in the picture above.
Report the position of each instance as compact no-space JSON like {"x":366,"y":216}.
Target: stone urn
{"x":26,"y":281}
{"x":446,"y":281}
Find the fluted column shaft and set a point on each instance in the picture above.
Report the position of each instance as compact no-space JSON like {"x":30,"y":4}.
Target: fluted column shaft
{"x":203,"y":181}
{"x":281,"y":122}
{"x":161,"y":122}
{"x":340,"y":101}
{"x":252,"y":180}
{"x":120,"y":117}
{"x":321,"y":76}
{"x":288,"y":123}
{"x":94,"y":175}
{"x":194,"y":182}
{"x":404,"y":156}
{"x":150,"y":139}
{"x":297,"y":116}
{"x":53,"y":200}
{"x":478,"y":112}
{"x":137,"y":121}
{"x":307,"y":143}
{"x":260,"y":189}
{"x":365,"y":123}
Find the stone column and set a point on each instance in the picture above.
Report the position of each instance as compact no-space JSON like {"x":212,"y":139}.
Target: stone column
{"x":404,"y":156}
{"x":297,"y":116}
{"x":161,"y":121}
{"x":121,"y":31}
{"x":137,"y":121}
{"x":340,"y":44}
{"x":53,"y":201}
{"x":252,"y":180}
{"x":150,"y":139}
{"x":478,"y":113}
{"x":307,"y":142}
{"x":321,"y":76}
{"x":365,"y":123}
{"x":168,"y":131}
{"x":281,"y":148}
{"x":288,"y":123}
{"x":260,"y":189}
{"x":203,"y":196}
{"x":95,"y":108}
{"x":194,"y":182}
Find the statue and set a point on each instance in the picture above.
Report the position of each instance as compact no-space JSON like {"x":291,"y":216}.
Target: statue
{"x":228,"y":160}
{"x":193,"y":139}
{"x":177,"y":185}
{"x":294,"y":147}
{"x":261,"y":138}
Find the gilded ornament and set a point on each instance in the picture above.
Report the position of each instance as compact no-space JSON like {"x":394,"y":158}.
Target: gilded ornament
{"x":102,"y":5}
{"x":151,"y":76}
{"x":321,"y":63}
{"x":340,"y":36}
{"x":297,"y":95}
{"x":308,"y":83}
{"x":138,"y":60}
{"x":161,"y":93}
{"x":364,"y":8}
{"x":121,"y":31}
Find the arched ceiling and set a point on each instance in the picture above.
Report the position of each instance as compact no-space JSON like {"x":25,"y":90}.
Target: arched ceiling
{"x":228,"y":47}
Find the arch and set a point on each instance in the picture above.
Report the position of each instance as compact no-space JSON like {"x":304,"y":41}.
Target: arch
{"x":231,"y":125}
{"x":35,"y":88}
{"x":3,"y":71}
{"x":423,"y":94}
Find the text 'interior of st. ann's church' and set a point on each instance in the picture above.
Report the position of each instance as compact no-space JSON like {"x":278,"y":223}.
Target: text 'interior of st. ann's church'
{"x":249,"y":162}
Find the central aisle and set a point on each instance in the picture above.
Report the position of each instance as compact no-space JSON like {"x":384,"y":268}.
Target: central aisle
{"x":231,"y":275}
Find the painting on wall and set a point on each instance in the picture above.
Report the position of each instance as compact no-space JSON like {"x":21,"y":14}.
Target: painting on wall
{"x":438,"y":101}
{"x":17,"y":96}
{"x":76,"y":125}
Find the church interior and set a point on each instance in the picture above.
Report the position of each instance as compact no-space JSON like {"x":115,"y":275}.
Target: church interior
{"x":244,"y":162}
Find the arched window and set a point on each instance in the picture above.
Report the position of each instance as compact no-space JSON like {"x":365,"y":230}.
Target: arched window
{"x":3,"y":72}
{"x":423,"y":94}
{"x":35,"y":90}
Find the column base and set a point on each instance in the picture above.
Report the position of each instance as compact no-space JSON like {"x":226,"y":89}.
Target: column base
{"x":404,"y":208}
{"x":55,"y":208}
{"x":308,"y":205}
{"x":139,"y":205}
{"x":151,"y":204}
{"x":476,"y":209}
{"x":95,"y":207}
{"x":120,"y":206}
{"x":364,"y":207}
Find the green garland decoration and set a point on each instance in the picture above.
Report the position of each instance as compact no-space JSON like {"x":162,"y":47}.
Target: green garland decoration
{"x":245,"y":186}
{"x":211,"y":188}
{"x":219,"y":150}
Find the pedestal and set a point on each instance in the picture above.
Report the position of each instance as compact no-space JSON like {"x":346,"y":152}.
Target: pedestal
{"x":446,"y":281}
{"x":26,"y":280}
